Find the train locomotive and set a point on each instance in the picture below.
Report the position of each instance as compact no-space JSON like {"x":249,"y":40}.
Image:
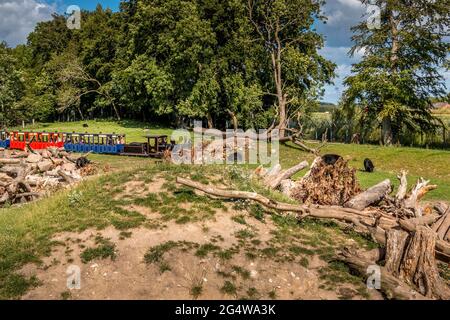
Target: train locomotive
{"x":114,"y":144}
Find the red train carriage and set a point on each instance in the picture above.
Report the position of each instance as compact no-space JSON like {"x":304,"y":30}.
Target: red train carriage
{"x":36,"y":140}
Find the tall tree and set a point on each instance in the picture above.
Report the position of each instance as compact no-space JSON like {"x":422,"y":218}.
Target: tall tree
{"x":400,"y":71}
{"x":75,"y":83}
{"x":285,"y":29}
{"x":11,"y":85}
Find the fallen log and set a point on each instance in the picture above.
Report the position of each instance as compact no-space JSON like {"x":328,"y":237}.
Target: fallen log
{"x":10,"y":161}
{"x":419,"y":266}
{"x":390,"y":285}
{"x":27,"y":194}
{"x":66,"y":177}
{"x":286,"y":187}
{"x":367,"y":222}
{"x":441,"y":245}
{"x":358,"y":218}
{"x":395,"y":247}
{"x":371,"y":196}
{"x":444,"y":226}
{"x":4,"y":197}
{"x":287,"y":174}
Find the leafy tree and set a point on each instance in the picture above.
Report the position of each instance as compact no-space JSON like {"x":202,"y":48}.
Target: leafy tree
{"x":11,"y":85}
{"x":297,"y":71}
{"x":50,"y":38}
{"x":75,"y":83}
{"x":399,"y":72}
{"x":143,"y":85}
{"x":174,"y":38}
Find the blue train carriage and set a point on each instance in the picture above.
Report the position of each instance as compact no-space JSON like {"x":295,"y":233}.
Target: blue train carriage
{"x":4,"y":140}
{"x":95,"y":143}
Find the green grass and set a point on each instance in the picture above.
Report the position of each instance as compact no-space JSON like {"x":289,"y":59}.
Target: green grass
{"x":156,"y":254}
{"x":134,"y":130}
{"x":430,"y":164}
{"x":228,"y":288}
{"x":196,"y":291}
{"x":26,"y":231}
{"x":104,"y":249}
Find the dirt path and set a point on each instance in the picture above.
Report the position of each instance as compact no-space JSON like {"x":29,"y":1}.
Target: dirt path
{"x":230,"y":256}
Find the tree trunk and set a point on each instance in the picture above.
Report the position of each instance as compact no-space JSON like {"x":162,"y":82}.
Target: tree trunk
{"x":390,"y":285}
{"x":278,"y":79}
{"x":387,"y":131}
{"x":419,"y":266}
{"x":395,"y":247}
{"x":282,"y":119}
{"x":210,"y":121}
{"x":116,"y":110}
{"x":233,"y":119}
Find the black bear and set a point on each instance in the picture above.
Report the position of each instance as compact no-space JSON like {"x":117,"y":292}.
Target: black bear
{"x":368,"y":165}
{"x":85,"y":125}
{"x":82,"y":162}
{"x":331,"y":159}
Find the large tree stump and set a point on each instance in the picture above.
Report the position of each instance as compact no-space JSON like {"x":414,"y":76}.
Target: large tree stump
{"x":444,"y":226}
{"x":419,"y":267}
{"x":327,"y":184}
{"x":392,"y":286}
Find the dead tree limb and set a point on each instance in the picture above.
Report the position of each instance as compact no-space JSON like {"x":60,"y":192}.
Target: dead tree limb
{"x":444,"y":226}
{"x":403,"y":188}
{"x":66,"y":177}
{"x":370,"y":196}
{"x":390,"y":285}
{"x":10,"y":161}
{"x":395,"y":247}
{"x":419,"y":266}
{"x":287,"y":174}
{"x":363,"y":220}
{"x":419,"y":191}
{"x":442,"y":246}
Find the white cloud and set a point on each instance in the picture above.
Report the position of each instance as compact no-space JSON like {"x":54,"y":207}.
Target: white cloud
{"x":351,"y":3}
{"x":19,"y":17}
{"x":338,"y":55}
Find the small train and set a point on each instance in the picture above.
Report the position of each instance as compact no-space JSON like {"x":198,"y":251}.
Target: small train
{"x":100,"y":143}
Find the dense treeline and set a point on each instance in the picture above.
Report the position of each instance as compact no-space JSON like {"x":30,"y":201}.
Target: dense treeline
{"x":173,"y":60}
{"x":246,"y":63}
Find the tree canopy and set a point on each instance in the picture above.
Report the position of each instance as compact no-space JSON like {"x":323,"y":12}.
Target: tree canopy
{"x":232,"y":63}
{"x":398,"y":75}
{"x":178,"y":59}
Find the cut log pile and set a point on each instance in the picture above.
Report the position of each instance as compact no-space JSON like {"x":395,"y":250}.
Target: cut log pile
{"x":230,"y":149}
{"x":413,"y":234}
{"x":28,"y":175}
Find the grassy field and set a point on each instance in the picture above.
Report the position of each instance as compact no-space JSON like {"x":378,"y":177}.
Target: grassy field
{"x":432,"y":165}
{"x":26,"y":231}
{"x":134,"y":131}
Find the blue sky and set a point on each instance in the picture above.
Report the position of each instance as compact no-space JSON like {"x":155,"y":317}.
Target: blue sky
{"x":19,"y":17}
{"x":86,"y":4}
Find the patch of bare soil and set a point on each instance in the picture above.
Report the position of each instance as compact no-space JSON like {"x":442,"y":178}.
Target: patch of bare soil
{"x":138,"y":188}
{"x":186,"y":274}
